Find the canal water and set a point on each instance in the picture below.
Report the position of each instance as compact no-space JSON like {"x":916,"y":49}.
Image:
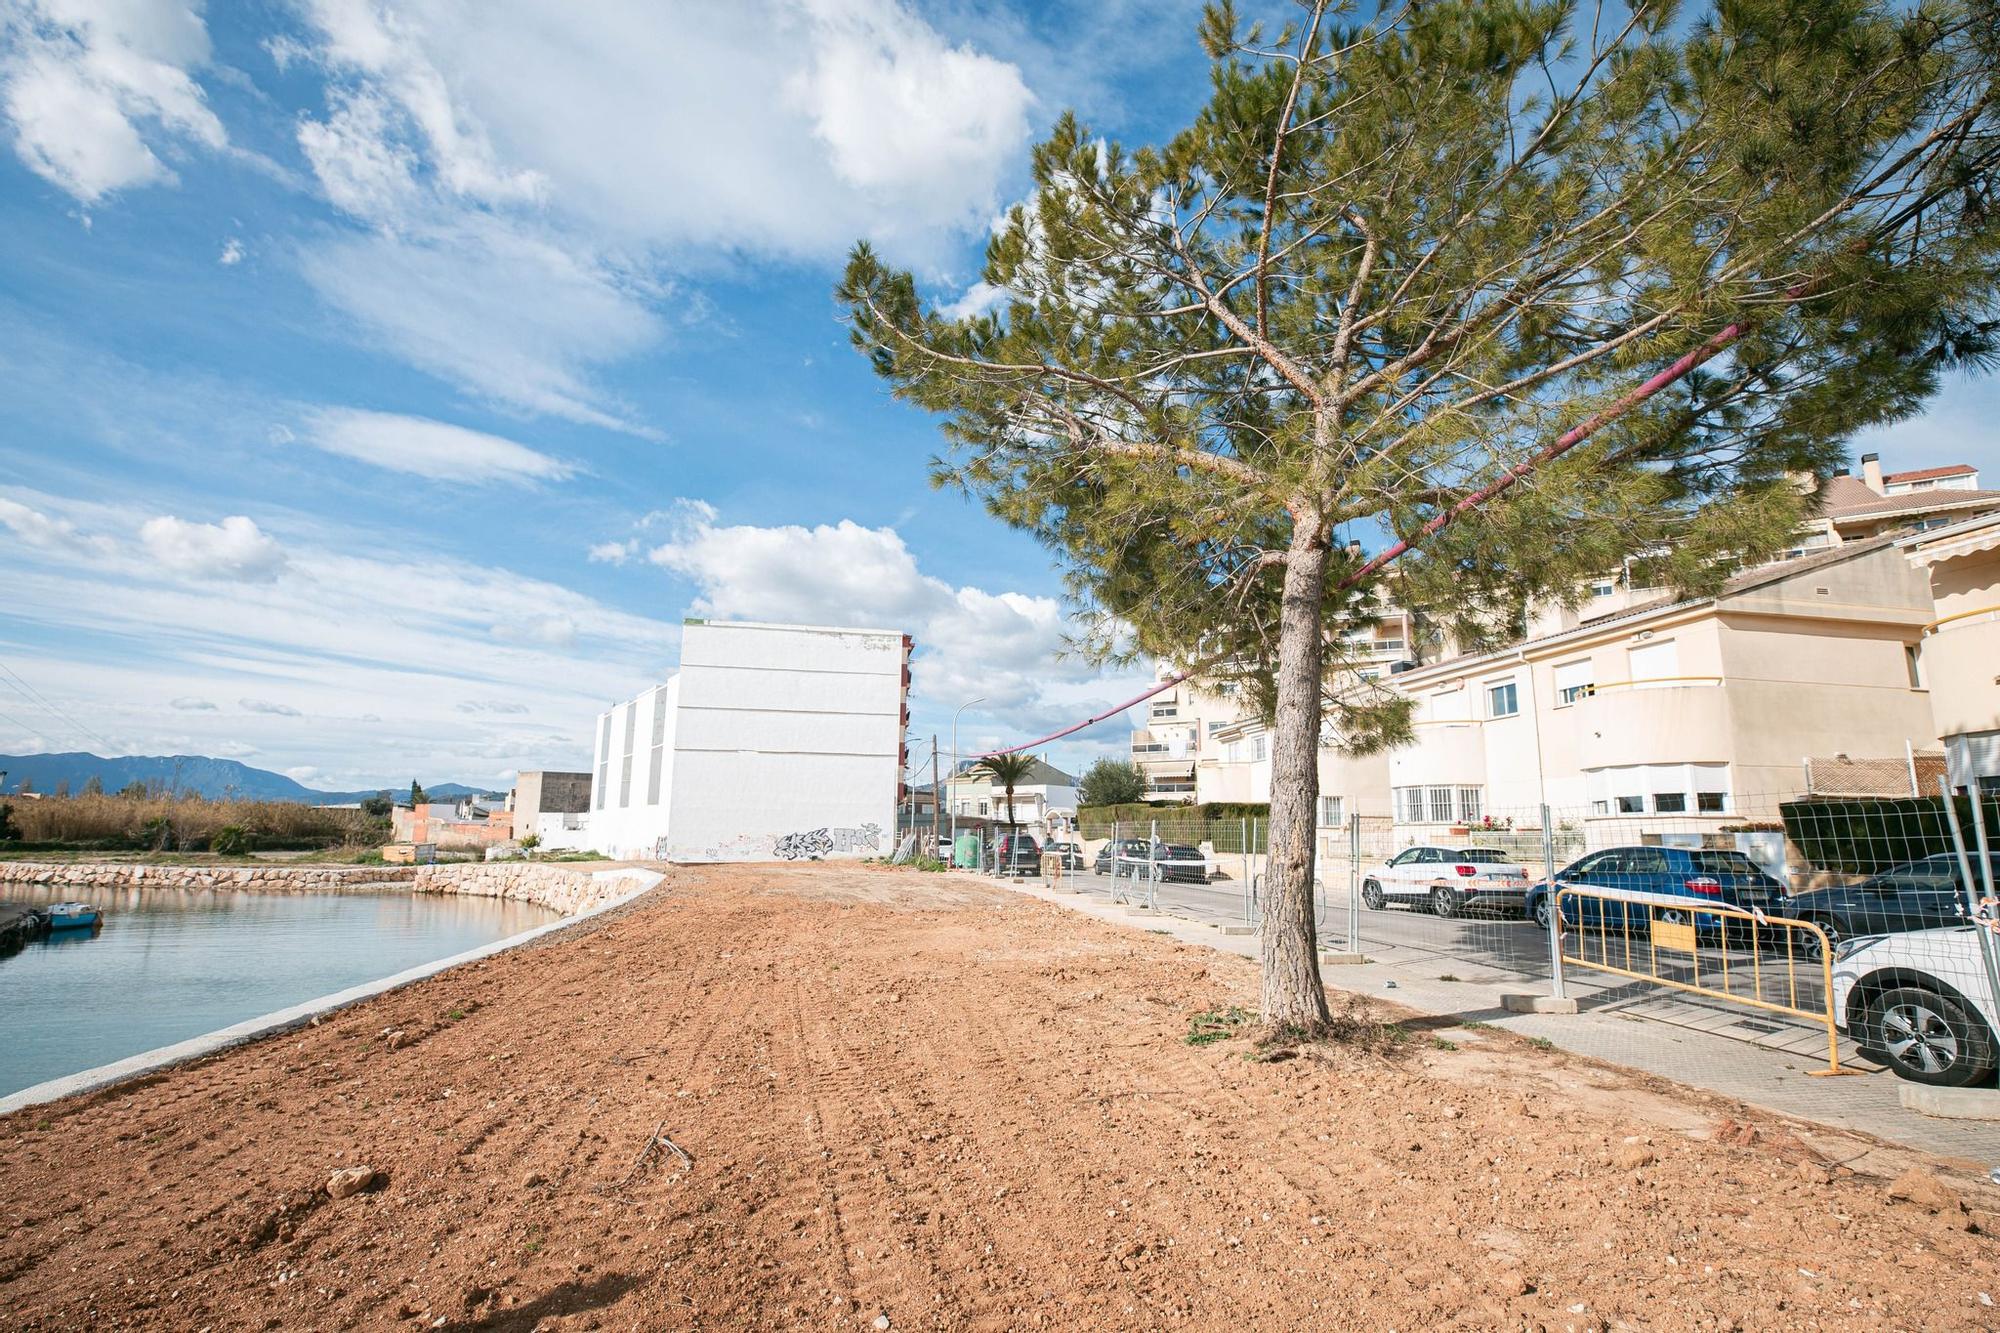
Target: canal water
{"x":169,"y":964}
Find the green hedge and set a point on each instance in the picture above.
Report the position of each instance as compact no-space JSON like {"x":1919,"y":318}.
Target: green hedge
{"x":1226,"y":824}
{"x":1863,"y":836}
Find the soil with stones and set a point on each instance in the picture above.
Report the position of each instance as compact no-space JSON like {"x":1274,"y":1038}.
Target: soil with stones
{"x":899,"y":1101}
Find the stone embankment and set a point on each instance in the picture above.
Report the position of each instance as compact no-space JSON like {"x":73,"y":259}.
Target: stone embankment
{"x":256,"y":878}
{"x":568,"y":889}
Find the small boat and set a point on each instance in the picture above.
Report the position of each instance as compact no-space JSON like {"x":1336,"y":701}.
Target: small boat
{"x":72,"y":916}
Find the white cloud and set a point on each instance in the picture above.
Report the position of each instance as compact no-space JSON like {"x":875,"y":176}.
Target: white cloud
{"x":232,"y":253}
{"x":189,"y":704}
{"x":428,"y":448}
{"x":492,"y":307}
{"x":230,"y":749}
{"x":493,"y":706}
{"x":339,"y":634}
{"x":235,"y":548}
{"x":970,"y":642}
{"x":38,"y":529}
{"x":977,"y":299}
{"x":526,"y":180}
{"x":613,"y":553}
{"x":92,"y":87}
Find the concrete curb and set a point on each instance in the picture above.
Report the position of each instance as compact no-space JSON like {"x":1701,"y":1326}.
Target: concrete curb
{"x":1536,"y":1004}
{"x":298,"y":1015}
{"x":1951,"y":1103}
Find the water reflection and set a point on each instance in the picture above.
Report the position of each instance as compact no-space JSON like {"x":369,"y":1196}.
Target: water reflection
{"x":168,"y":964}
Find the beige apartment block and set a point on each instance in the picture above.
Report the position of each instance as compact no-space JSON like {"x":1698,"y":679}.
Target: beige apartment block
{"x":1691,"y":710}
{"x":1176,"y":734}
{"x":1959,"y":658}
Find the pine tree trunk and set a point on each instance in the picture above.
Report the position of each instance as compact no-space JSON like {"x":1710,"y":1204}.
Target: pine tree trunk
{"x":1293,"y":994}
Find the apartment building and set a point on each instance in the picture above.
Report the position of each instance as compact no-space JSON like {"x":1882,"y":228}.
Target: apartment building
{"x":1959,"y":651}
{"x":1876,"y":503}
{"x":1694,"y":710}
{"x":770,"y":741}
{"x":1176,"y":733}
{"x":1201,"y":742}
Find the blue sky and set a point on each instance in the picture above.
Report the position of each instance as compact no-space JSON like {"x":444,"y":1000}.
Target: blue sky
{"x":385,"y":379}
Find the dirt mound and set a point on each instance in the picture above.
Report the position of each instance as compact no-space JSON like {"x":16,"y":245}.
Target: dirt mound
{"x":898,"y":1101}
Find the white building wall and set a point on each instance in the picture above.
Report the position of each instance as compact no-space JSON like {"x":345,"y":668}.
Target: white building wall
{"x":633,"y":772}
{"x":788,"y":742}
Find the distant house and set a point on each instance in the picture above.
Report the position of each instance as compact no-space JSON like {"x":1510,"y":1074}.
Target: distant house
{"x":553,"y":806}
{"x":468,"y":822}
{"x":1046,"y":797}
{"x":1959,"y":652}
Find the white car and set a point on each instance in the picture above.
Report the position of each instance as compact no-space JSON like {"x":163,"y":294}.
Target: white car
{"x":1921,"y":1001}
{"x":1447,"y":879}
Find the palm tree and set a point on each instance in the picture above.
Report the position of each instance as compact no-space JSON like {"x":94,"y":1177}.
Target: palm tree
{"x":1010,"y":771}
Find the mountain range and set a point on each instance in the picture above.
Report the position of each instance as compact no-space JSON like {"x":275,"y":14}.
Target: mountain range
{"x":216,"y":779}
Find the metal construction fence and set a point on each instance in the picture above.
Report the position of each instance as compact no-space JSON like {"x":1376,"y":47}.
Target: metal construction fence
{"x":1772,"y":920}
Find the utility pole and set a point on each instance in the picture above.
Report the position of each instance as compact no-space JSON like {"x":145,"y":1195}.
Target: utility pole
{"x":937,"y":796}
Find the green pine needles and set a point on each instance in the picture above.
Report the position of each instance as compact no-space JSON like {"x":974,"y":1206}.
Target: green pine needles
{"x":1526,"y":288}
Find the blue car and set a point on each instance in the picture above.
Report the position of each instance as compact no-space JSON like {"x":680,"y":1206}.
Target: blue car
{"x":1695,"y":873}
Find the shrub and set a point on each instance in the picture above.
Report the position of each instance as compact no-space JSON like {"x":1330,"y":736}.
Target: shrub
{"x":530,"y":841}
{"x":1862,"y":837}
{"x":110,"y":823}
{"x":230,"y":840}
{"x":8,"y":833}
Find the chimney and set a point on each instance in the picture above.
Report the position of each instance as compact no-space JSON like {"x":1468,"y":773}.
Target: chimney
{"x":1871,"y":472}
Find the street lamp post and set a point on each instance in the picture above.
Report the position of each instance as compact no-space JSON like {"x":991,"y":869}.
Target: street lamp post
{"x":954,"y":768}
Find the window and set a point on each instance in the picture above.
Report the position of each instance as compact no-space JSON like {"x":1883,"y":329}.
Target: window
{"x":1631,"y":805}
{"x":1468,"y":804}
{"x":1438,"y":804}
{"x":1410,"y":805}
{"x":1670,"y":802}
{"x":1233,"y":752}
{"x":625,"y":770}
{"x":1256,"y":749}
{"x":1409,"y":858}
{"x":1503,"y":700}
{"x":1914,"y":664}
{"x":1600,"y":807}
{"x":983,"y":807}
{"x":1711,"y":802}
{"x":1329,"y":812}
{"x":1603,"y":587}
{"x":1573,"y":681}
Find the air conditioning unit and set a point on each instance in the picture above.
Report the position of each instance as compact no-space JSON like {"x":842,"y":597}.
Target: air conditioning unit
{"x":1407,"y":664}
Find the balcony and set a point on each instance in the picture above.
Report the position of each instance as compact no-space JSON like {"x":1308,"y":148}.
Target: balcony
{"x":1677,"y":720}
{"x":1444,"y":753}
{"x":1961,"y":656}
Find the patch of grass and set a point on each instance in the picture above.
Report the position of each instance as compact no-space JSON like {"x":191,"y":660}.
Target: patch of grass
{"x":1477,"y":1025}
{"x":1541,"y":1043}
{"x":1440,"y":1044}
{"x":454,"y":1014}
{"x":1214,"y":1025}
{"x":1447,"y":977}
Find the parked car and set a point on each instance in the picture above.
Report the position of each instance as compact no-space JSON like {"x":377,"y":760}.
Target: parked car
{"x":1017,"y":854}
{"x":1072,"y":854}
{"x":1699,"y":874}
{"x":1925,"y":894}
{"x":1178,"y":863}
{"x":1448,"y":880}
{"x":1920,"y":1002}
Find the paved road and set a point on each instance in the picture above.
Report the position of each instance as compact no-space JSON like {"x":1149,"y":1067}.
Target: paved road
{"x":1494,"y":948}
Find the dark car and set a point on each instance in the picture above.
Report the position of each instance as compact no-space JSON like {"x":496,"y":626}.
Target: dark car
{"x":1072,"y":855}
{"x":1177,"y":863}
{"x":1699,"y":874}
{"x":1925,"y":894}
{"x":1017,"y":854}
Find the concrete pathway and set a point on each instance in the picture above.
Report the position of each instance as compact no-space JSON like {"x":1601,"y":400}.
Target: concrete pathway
{"x":1613,"y":1025}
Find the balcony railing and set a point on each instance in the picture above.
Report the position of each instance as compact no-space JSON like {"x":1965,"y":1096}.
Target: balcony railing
{"x":1961,"y":618}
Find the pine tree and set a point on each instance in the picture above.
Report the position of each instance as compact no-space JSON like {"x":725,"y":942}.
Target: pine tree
{"x":418,"y":796}
{"x":1507,"y":289}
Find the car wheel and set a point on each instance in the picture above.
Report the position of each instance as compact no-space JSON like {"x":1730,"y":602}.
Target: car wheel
{"x":1371,"y":895}
{"x":1541,"y":912}
{"x":1928,"y":1037}
{"x":1444,"y":903}
{"x":1809,"y":947}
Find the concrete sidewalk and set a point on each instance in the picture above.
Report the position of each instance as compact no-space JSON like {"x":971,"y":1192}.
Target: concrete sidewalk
{"x":1775,"y":1080}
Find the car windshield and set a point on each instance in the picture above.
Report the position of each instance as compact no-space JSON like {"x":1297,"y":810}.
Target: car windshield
{"x":1482,"y":856}
{"x":1725,"y":863}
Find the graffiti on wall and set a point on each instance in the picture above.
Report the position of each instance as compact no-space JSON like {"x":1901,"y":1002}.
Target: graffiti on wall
{"x":812,"y":844}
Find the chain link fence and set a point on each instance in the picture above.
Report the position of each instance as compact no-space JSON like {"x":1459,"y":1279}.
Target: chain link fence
{"x":1762,"y":919}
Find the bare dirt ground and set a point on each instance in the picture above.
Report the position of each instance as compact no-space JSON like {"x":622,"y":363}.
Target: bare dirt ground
{"x":919,"y":1104}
